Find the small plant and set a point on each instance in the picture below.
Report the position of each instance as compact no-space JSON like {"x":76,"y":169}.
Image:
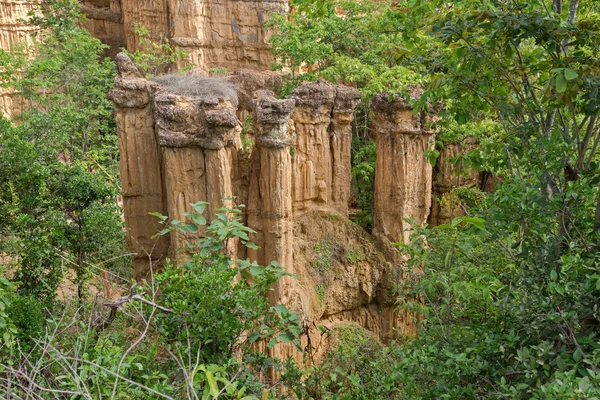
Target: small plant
{"x":354,"y":256}
{"x":217,"y":70}
{"x":153,"y":57}
{"x":214,"y":313}
{"x":27,"y":315}
{"x":320,"y":289}
{"x":7,"y":327}
{"x":324,"y":252}
{"x":364,"y":156}
{"x":463,"y":197}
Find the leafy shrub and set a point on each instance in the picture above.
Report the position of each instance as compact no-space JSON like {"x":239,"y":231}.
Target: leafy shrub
{"x":364,"y":156}
{"x":7,"y":327}
{"x":357,"y":367}
{"x":219,"y":305}
{"x":27,"y":314}
{"x":58,"y":170}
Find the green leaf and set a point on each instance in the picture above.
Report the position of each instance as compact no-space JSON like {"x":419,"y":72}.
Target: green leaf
{"x":281,"y":309}
{"x":272,"y":343}
{"x":479,"y":223}
{"x":252,"y":246}
{"x":561,"y":83}
{"x":199,"y":206}
{"x":214,"y":387}
{"x":198,"y":219}
{"x":584,"y":384}
{"x":192,"y":228}
{"x":570,"y":74}
{"x":553,"y":275}
{"x":577,"y":355}
{"x":286,"y":337}
{"x":253,"y":337}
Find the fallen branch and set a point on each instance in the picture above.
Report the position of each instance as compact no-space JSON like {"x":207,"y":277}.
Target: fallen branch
{"x":115,"y":305}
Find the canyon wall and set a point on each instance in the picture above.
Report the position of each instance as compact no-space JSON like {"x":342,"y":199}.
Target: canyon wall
{"x":213,"y":34}
{"x":180,"y":143}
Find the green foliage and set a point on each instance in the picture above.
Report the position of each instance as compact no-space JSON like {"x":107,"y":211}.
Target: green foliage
{"x":59,"y":161}
{"x":246,"y":135}
{"x":191,"y":334}
{"x":217,"y":70}
{"x":344,"y":41}
{"x":7,"y":327}
{"x":355,"y":255}
{"x":506,"y":296}
{"x":364,"y":157}
{"x":154,"y":57}
{"x":491,"y":323}
{"x":357,"y":367}
{"x":324,"y":251}
{"x":27,"y":315}
{"x":321,"y":290}
{"x":222,"y":313}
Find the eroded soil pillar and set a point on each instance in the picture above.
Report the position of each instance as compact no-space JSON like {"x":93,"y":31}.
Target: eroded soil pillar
{"x":195,"y":132}
{"x":271,"y":214}
{"x":140,"y":166}
{"x":403,"y":176}
{"x":340,"y":142}
{"x":321,"y":155}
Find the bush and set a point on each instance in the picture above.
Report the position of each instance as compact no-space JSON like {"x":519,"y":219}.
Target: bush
{"x":27,"y":314}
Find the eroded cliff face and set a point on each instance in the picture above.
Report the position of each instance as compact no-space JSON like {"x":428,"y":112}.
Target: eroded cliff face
{"x":180,"y":139}
{"x":105,"y":22}
{"x":214,"y":33}
{"x":14,"y":33}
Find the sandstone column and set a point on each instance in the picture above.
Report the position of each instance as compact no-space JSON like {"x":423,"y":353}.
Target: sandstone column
{"x":270,"y":191}
{"x":312,"y":160}
{"x":403,"y":174}
{"x":321,"y":155}
{"x":340,"y":136}
{"x":140,"y":165}
{"x":196,"y":130}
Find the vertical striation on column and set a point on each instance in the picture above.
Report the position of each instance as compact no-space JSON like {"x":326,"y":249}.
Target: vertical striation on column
{"x":140,"y":165}
{"x":403,"y":175}
{"x":270,"y":189}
